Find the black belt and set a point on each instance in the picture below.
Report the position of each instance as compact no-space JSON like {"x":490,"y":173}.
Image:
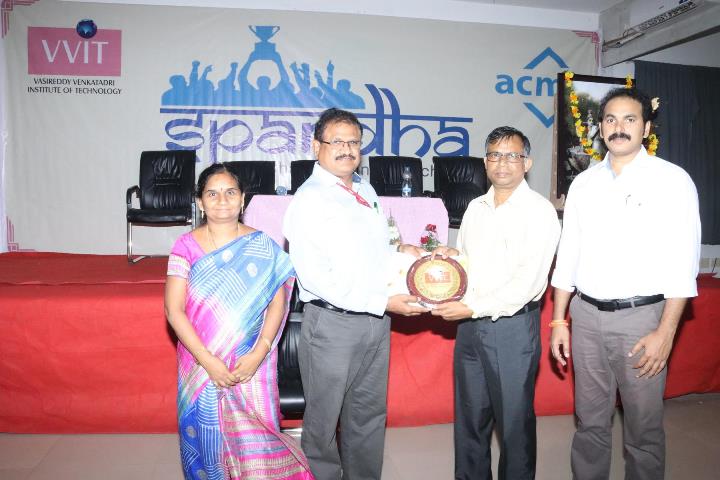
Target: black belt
{"x":621,"y":303}
{"x":333,"y":308}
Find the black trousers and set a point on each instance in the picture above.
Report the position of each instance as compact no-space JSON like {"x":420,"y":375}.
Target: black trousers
{"x":495,"y":368}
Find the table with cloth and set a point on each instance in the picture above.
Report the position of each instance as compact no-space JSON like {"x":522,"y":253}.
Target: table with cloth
{"x":412,"y":215}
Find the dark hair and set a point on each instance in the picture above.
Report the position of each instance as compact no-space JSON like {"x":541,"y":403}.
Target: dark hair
{"x":214,"y":169}
{"x":632,"y":93}
{"x":502,"y":133}
{"x":335,"y":115}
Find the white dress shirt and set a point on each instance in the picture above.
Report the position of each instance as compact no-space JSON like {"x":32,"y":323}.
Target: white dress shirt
{"x":637,"y":233}
{"x":338,"y":246}
{"x":509,"y":249}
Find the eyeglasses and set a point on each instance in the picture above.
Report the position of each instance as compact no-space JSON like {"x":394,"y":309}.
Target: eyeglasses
{"x":338,"y":144}
{"x":510,"y":157}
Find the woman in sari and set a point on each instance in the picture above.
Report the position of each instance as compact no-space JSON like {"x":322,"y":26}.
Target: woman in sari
{"x":226,"y":297}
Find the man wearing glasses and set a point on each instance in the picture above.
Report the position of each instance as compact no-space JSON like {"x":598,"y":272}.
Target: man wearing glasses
{"x":509,"y":236}
{"x":339,"y":245}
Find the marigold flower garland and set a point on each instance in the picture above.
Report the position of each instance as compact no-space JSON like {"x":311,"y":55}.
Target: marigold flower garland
{"x":652,"y":140}
{"x":581,"y":130}
{"x":628,"y":81}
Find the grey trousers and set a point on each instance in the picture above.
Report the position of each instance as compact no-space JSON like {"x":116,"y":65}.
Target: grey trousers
{"x":495,"y":368}
{"x":344,"y":367}
{"x":600,"y":345}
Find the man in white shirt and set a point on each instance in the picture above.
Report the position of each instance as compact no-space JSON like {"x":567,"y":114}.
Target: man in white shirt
{"x":339,"y":246}
{"x":509,"y":236}
{"x":630,"y":247}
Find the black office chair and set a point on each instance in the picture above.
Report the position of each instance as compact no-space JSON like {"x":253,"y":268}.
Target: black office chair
{"x":300,"y":170}
{"x":292,"y":398}
{"x":386,"y":175}
{"x":459,"y":180}
{"x":165,"y":193}
{"x":257,"y":176}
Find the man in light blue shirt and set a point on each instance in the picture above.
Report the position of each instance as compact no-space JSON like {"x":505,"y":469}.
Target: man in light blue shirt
{"x":339,"y":246}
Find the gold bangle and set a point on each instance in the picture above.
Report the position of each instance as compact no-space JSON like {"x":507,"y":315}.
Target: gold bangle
{"x":557,"y":323}
{"x":267,"y":342}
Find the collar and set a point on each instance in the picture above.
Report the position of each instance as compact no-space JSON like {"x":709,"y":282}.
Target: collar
{"x":640,"y":160}
{"x":327,"y":179}
{"x":520,"y":191}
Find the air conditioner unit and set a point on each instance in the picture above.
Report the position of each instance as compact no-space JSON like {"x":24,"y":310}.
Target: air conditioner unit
{"x":646,"y":14}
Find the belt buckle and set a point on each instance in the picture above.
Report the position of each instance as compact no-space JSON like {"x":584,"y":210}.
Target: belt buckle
{"x":608,"y":306}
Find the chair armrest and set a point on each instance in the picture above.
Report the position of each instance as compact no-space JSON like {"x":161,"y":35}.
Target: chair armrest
{"x":128,"y":195}
{"x":296,"y":317}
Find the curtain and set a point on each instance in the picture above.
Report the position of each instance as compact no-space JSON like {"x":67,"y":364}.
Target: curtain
{"x":688,"y":127}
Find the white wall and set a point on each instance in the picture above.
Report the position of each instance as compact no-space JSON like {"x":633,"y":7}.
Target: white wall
{"x":3,"y":141}
{"x":453,"y":10}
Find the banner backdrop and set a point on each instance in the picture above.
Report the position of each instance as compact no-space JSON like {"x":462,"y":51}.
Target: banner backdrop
{"x":90,"y":86}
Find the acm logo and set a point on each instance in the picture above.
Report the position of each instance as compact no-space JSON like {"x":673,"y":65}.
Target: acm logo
{"x":532,"y":86}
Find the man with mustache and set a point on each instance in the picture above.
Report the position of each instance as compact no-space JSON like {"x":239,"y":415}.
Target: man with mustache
{"x":630,"y":247}
{"x":339,"y":246}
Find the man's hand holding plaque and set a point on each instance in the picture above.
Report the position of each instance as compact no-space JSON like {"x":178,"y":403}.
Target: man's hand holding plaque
{"x":437,"y":279}
{"x":450,"y":310}
{"x":400,"y":301}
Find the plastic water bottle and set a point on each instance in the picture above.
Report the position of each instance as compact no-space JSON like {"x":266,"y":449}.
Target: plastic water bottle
{"x":407,"y":186}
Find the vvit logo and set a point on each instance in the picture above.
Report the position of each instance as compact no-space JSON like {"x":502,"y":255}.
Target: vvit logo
{"x":81,"y":51}
{"x":529,"y":85}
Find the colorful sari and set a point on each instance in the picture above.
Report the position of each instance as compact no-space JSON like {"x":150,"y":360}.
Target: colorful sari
{"x":233,"y":432}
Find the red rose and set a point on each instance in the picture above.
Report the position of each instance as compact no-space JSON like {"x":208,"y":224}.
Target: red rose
{"x":424,"y":239}
{"x":430,"y":227}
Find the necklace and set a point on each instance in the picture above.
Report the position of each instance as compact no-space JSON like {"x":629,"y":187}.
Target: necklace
{"x":212,"y":240}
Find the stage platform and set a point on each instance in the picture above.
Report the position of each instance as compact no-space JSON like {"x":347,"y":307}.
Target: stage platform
{"x":87,"y":349}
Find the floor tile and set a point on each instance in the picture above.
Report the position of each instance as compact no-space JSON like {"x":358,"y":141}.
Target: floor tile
{"x":15,"y":473}
{"x":18,"y":451}
{"x":91,"y":471}
{"x":127,"y":449}
{"x":418,"y":453}
{"x":167,"y":471}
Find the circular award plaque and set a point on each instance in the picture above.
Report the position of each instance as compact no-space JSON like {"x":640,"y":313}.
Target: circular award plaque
{"x":437,"y":281}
